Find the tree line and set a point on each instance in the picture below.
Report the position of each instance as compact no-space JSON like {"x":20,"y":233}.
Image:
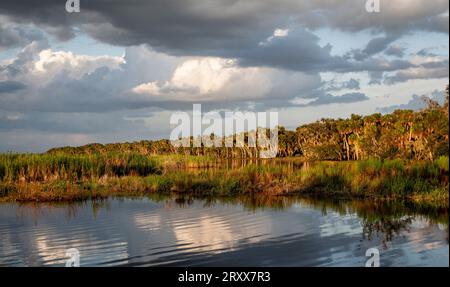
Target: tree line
{"x":407,"y":134}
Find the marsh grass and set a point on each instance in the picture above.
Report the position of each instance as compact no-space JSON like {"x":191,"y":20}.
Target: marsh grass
{"x":45,"y":167}
{"x":74,"y":177}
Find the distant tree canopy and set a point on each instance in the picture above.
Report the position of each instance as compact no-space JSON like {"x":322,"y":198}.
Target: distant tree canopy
{"x":402,"y":134}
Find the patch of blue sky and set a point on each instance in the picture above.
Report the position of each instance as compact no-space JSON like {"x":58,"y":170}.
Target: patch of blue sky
{"x":8,"y":54}
{"x":343,"y":42}
{"x":85,"y":45}
{"x":81,"y":45}
{"x":437,"y":43}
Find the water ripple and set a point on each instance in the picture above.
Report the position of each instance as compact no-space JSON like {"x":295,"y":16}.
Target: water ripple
{"x":147,"y":233}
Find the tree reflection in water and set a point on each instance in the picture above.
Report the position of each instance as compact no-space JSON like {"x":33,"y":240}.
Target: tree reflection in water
{"x":380,"y":219}
{"x":385,"y":228}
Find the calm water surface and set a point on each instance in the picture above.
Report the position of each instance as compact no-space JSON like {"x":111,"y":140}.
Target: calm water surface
{"x":176,"y":232}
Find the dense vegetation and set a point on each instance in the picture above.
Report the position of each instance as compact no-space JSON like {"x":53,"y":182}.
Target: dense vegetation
{"x":399,"y":155}
{"x":45,"y":167}
{"x":403,"y":134}
{"x":73,"y":177}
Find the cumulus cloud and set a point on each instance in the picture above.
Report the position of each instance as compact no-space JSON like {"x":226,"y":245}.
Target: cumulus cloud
{"x":220,"y":80}
{"x":21,"y":64}
{"x":223,"y":54}
{"x":64,"y":81}
{"x":50,"y":64}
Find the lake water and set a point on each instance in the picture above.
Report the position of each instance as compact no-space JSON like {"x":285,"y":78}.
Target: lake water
{"x":235,"y":232}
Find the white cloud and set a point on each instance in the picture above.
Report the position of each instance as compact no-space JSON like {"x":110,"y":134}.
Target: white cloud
{"x":280,"y":32}
{"x":277,"y":33}
{"x":209,"y":79}
{"x":65,"y":81}
{"x":216,"y":79}
{"x":53,"y":97}
{"x":37,"y":65}
{"x":52,"y":63}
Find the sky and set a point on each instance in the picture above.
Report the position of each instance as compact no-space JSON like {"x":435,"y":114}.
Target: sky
{"x":117,"y":70}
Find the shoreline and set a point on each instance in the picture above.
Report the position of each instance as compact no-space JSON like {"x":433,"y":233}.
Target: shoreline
{"x":440,"y":201}
{"x":74,"y":177}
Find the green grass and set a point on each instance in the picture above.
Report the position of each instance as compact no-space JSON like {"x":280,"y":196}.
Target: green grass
{"x":45,"y":167}
{"x":46,"y":177}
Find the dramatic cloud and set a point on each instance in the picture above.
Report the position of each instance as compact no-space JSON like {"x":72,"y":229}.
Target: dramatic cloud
{"x":284,"y":55}
{"x":163,"y":22}
{"x":234,"y":29}
{"x":220,"y":80}
{"x":64,"y":81}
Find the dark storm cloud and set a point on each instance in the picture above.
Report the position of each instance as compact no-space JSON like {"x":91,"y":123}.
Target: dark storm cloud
{"x":10,"y":86}
{"x":234,"y":28}
{"x":59,"y":103}
{"x":179,"y":26}
{"x":299,"y":50}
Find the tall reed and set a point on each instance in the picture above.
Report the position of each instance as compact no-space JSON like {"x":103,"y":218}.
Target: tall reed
{"x":45,"y":167}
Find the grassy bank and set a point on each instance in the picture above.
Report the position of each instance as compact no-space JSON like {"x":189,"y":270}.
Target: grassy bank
{"x":77,"y":177}
{"x":44,"y":167}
